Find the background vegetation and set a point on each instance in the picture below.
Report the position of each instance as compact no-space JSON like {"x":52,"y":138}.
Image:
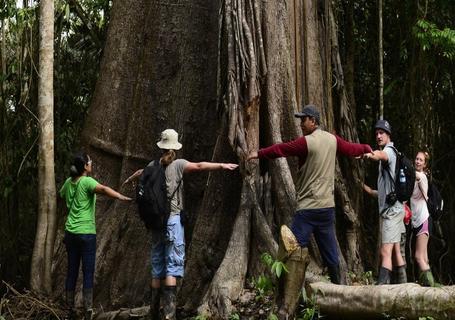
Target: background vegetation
{"x":419,"y":57}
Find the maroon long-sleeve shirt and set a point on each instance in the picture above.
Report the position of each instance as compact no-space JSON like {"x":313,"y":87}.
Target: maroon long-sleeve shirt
{"x":317,"y":154}
{"x":298,"y":148}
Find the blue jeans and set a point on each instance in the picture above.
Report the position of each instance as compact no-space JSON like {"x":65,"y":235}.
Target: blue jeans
{"x":321,"y":222}
{"x":168,"y":250}
{"x":80,"y":247}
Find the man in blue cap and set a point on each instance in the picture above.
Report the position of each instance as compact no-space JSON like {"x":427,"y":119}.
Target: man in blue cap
{"x":390,"y":209}
{"x":316,"y":151}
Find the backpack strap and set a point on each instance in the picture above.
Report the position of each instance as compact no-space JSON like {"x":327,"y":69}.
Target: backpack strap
{"x":178,"y":186}
{"x":421,"y":191}
{"x":386,"y":167}
{"x":157,"y":162}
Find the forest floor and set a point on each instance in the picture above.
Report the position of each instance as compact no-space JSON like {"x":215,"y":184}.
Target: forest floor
{"x":27,"y":305}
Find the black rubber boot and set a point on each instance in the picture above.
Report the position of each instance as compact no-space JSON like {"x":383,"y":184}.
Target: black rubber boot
{"x":69,"y":301}
{"x":426,"y":278}
{"x":87,"y":295}
{"x":170,"y":303}
{"x":401,"y":276}
{"x":394,"y":275}
{"x":384,"y":276}
{"x":334,"y":274}
{"x":155,"y":303}
{"x":291,"y":283}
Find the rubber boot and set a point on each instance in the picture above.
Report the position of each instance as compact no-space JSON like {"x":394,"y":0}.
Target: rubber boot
{"x":401,"y":276}
{"x":155,"y":303}
{"x":87,"y":295}
{"x":291,"y":283}
{"x":169,"y":307}
{"x":334,"y":274}
{"x":426,"y":278}
{"x":394,"y":275}
{"x":384,"y":276}
{"x":69,"y":301}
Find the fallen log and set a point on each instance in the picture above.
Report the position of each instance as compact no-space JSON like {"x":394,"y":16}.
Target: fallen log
{"x":409,"y":300}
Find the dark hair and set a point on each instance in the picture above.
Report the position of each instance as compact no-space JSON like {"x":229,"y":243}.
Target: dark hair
{"x":78,"y":165}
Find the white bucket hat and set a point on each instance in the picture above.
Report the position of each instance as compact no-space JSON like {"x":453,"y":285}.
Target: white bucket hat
{"x":169,"y":140}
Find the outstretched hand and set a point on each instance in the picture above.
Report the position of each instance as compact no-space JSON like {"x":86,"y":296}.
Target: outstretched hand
{"x":229,"y":166}
{"x":366,"y":156}
{"x":133,"y":176}
{"x":124,"y":198}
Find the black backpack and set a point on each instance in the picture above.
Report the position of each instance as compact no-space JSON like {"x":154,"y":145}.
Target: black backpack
{"x":435,"y":203}
{"x":404,"y":170}
{"x":151,"y":197}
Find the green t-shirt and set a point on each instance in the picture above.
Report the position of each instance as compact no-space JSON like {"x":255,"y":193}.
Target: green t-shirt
{"x":81,"y":215}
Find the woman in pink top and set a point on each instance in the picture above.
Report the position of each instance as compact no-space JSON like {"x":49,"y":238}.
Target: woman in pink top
{"x":420,"y":218}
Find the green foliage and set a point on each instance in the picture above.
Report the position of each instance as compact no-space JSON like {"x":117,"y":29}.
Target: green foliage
{"x":76,"y":69}
{"x":431,"y":37}
{"x":276,"y":267}
{"x":200,"y":317}
{"x":234,"y":316}
{"x":263,"y":285}
{"x":309,"y":311}
{"x":365,"y":278}
{"x":272,"y":316}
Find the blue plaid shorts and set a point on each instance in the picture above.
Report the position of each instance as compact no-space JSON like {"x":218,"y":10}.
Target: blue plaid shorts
{"x":168,"y":250}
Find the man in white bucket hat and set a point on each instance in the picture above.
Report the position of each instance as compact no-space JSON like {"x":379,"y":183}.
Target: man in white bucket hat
{"x":169,"y":140}
{"x":168,"y":246}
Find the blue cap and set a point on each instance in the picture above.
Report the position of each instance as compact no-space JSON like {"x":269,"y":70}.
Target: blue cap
{"x":309,"y":111}
{"x":384,"y":125}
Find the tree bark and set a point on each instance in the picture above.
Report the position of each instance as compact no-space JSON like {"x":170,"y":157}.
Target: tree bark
{"x":380,"y":61}
{"x":152,"y":77}
{"x":40,"y":272}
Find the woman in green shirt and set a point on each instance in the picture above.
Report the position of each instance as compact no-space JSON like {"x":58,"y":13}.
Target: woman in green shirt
{"x":79,"y":192}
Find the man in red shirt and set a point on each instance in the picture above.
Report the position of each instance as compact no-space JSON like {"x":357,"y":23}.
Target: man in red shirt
{"x":316,"y":151}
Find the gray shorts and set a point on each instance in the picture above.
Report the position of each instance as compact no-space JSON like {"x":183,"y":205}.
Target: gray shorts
{"x":392,"y":223}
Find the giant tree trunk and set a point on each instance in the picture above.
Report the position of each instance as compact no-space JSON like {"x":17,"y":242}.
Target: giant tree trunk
{"x":153,"y":77}
{"x":40,"y":272}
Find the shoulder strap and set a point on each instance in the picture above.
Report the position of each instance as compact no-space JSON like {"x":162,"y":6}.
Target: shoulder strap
{"x":157,"y":162}
{"x":387,"y":166}
{"x":421,"y":191}
{"x":178,"y":186}
{"x":74,"y":196}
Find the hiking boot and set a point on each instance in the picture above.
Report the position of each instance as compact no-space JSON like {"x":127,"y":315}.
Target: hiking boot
{"x":400,"y":274}
{"x":394,"y":275}
{"x":290,"y":284}
{"x":169,"y":298}
{"x":87,"y":295}
{"x":384,"y":276}
{"x":426,"y":278}
{"x":155,"y":304}
{"x":335,"y":274}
